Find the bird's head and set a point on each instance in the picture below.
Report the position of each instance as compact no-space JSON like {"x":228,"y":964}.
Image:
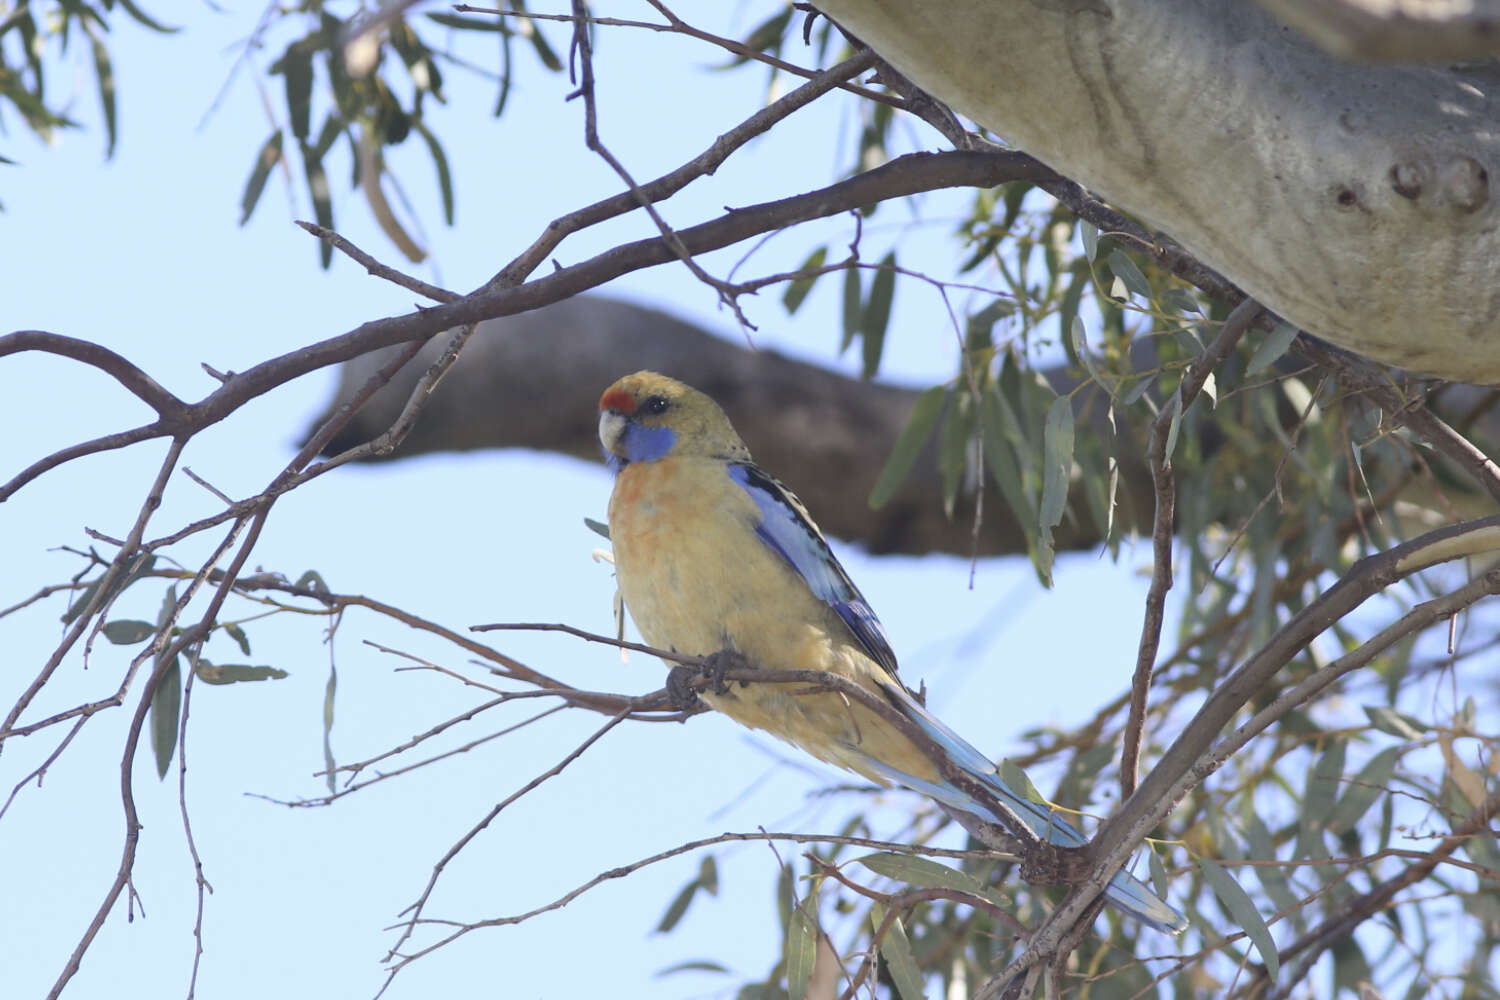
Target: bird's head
{"x":645,"y":417}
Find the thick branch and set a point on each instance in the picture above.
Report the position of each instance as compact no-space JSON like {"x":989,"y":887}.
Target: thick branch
{"x":1307,"y":181}
{"x":903,"y":176}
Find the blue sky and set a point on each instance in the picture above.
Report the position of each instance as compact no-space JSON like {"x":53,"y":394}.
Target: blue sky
{"x":143,"y":254}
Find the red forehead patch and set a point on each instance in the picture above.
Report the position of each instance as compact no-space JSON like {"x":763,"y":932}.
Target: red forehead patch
{"x":618,"y":400}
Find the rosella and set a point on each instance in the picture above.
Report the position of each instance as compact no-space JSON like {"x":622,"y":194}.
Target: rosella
{"x":714,"y":557}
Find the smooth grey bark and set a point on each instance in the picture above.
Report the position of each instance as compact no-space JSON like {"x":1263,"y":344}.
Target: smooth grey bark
{"x":1354,"y":200}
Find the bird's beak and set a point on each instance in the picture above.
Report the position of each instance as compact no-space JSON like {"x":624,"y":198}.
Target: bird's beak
{"x":611,"y":430}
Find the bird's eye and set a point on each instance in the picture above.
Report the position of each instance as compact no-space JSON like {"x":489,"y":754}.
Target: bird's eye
{"x":655,"y":405}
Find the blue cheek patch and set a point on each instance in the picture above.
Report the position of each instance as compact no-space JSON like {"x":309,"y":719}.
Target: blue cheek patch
{"x":647,"y":444}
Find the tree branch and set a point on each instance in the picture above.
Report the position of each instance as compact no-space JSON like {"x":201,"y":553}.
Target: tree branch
{"x":1244,"y":316}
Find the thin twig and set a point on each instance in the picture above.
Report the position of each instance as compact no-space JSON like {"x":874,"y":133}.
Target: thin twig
{"x":375,"y":267}
{"x":1184,"y":765}
{"x":409,"y":925}
{"x":1164,"y":481}
{"x":1361,"y":376}
{"x":723,"y":838}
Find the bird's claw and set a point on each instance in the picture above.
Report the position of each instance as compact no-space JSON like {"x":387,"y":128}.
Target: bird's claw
{"x":683,"y":681}
{"x":680,"y":687}
{"x":715,"y":665}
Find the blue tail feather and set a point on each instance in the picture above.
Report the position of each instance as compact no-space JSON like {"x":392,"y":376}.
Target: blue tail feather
{"x":1125,"y":892}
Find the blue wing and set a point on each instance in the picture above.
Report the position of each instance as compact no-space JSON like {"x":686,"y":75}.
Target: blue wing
{"x":785,"y":527}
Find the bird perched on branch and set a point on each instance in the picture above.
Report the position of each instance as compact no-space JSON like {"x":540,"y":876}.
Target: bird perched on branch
{"x":717,"y":559}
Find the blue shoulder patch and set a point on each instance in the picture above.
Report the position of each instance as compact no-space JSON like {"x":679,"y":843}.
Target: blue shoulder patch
{"x":786,"y":528}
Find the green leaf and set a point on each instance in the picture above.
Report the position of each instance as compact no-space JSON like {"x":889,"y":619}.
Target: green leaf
{"x":1139,"y":389}
{"x":1272,"y":879}
{"x":799,"y":287}
{"x":876,"y":315}
{"x":1318,"y":797}
{"x":925,"y":872}
{"x":1368,"y":785}
{"x":460,"y":23}
{"x":440,"y":164}
{"x":1078,"y":338}
{"x":322,"y":199}
{"x":1160,"y":884}
{"x":895,"y":948}
{"x":1175,"y":406}
{"x":166,"y":709}
{"x":1243,"y":910}
{"x":238,"y":635}
{"x":1275,"y":344}
{"x":1019,"y":782}
{"x":678,"y":907}
{"x":125,"y":632}
{"x":597,"y":527}
{"x":297,"y":69}
{"x":1125,"y":269}
{"x":953,"y":448}
{"x":1181,"y":300}
{"x":801,"y":949}
{"x":233,"y":673}
{"x":142,"y":18}
{"x":1399,"y":724}
{"x":539,"y":43}
{"x":700,"y":965}
{"x":121,"y":582}
{"x":1089,"y":233}
{"x":1351,"y":968}
{"x":853,"y":294}
{"x":329,"y":764}
{"x":265,"y":159}
{"x":998,"y":453}
{"x":1057,"y":467}
{"x":312,"y":580}
{"x":708,"y":875}
{"x":104,"y":72}
{"x":914,"y":435}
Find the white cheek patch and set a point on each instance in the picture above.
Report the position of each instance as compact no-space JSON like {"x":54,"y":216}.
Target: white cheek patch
{"x":611,"y":427}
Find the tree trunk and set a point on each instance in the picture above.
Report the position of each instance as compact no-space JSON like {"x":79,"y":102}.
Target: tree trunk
{"x":1352,"y":199}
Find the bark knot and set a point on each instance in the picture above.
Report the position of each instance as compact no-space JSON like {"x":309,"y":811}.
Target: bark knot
{"x":1465,"y":184}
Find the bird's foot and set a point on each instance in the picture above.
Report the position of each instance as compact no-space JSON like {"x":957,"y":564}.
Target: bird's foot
{"x":715,"y":665}
{"x":680,"y":688}
{"x":684,"y":682}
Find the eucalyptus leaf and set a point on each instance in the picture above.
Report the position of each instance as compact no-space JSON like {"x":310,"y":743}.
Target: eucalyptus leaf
{"x":853,"y":296}
{"x":1130,"y":276}
{"x":895,"y":948}
{"x":125,"y":632}
{"x":1272,"y":346}
{"x":921,"y":871}
{"x":265,"y":159}
{"x":166,"y":709}
{"x":924,"y":417}
{"x":1057,"y":467}
{"x":799,"y":287}
{"x":1242,"y":909}
{"x":801,"y":950}
{"x":875,"y":318}
{"x":233,"y":673}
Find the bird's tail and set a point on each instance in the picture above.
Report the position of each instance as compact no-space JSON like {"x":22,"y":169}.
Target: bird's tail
{"x":1125,"y":892}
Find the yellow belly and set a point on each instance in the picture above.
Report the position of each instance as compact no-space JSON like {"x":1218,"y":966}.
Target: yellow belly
{"x":689,"y":593}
